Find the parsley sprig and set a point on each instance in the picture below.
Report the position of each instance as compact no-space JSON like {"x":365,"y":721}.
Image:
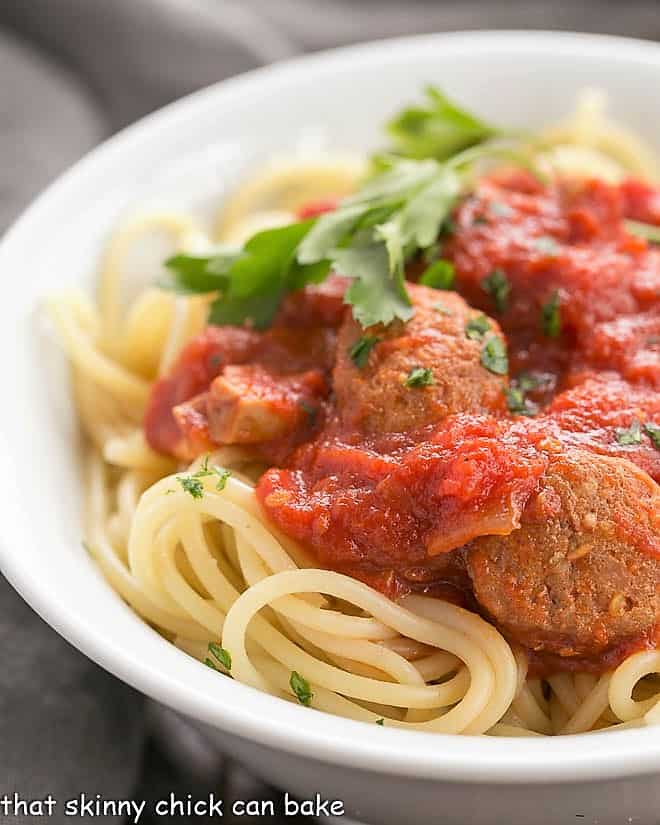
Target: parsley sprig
{"x":653,"y":432}
{"x":359,"y":352}
{"x":218,"y":654}
{"x":398,"y":213}
{"x":647,"y":231}
{"x":420,"y":377}
{"x":629,"y":435}
{"x":193,"y":485}
{"x":301,"y":689}
{"x":437,"y":130}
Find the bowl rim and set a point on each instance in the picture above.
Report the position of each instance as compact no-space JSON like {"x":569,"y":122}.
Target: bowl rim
{"x":265,"y":719}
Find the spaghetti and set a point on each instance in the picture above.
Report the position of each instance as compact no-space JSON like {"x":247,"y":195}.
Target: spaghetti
{"x":209,"y":569}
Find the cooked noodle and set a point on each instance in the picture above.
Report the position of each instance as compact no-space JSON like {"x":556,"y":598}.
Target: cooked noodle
{"x":211,"y":569}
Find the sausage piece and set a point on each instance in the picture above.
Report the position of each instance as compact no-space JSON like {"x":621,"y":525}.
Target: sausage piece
{"x":582,"y":573}
{"x":373,"y":396}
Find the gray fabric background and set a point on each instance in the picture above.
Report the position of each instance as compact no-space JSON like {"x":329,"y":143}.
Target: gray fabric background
{"x":72,"y":72}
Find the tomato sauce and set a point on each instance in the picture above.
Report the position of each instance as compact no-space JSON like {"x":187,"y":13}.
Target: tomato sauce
{"x":577,"y":297}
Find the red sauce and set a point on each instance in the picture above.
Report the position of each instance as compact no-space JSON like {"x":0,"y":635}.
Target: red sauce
{"x":397,"y":510}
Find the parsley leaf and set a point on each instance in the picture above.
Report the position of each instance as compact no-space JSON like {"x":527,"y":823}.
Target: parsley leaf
{"x":551,"y":317}
{"x":440,"y":275}
{"x":501,"y":210}
{"x":420,"y":377}
{"x":380,"y":722}
{"x":498,"y":287}
{"x":205,"y":471}
{"x":191,"y":485}
{"x":647,"y":231}
{"x":377,"y":296}
{"x":547,"y":245}
{"x":442,"y":309}
{"x":629,"y":436}
{"x":477,"y":327}
{"x":191,"y":275}
{"x":223,"y":656}
{"x":517,"y":404}
{"x":301,"y":689}
{"x":493,"y":355}
{"x":653,"y":432}
{"x":400,"y":211}
{"x":251,"y":281}
{"x":438,"y":130}
{"x":528,"y":381}
{"x":359,"y":352}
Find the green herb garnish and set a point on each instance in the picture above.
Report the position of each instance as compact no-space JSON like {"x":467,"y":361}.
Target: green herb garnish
{"x":420,"y":377}
{"x":498,"y":287}
{"x":527,"y":381}
{"x":301,"y":689}
{"x":629,"y":436}
{"x":221,"y":655}
{"x":653,"y":432}
{"x":359,"y":352}
{"x":551,"y":317}
{"x":191,"y":485}
{"x":400,"y":212}
{"x":493,"y":355}
{"x":517,"y":404}
{"x":477,"y":327}
{"x":647,"y":231}
{"x":440,"y":275}
{"x":380,"y":722}
{"x":438,"y":130}
{"x":442,"y":309}
{"x":547,"y":246}
{"x":205,"y":471}
{"x":502,"y":210}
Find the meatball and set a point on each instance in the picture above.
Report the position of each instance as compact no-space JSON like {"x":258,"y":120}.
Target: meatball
{"x":582,"y":573}
{"x":446,"y":337}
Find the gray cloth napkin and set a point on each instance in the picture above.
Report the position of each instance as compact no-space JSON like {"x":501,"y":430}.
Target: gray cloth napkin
{"x":72,"y":72}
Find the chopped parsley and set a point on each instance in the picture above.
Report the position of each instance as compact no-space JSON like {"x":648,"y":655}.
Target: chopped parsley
{"x":440,"y":275}
{"x":629,"y":436}
{"x":498,"y":287}
{"x":501,"y":210}
{"x":359,"y":352}
{"x":301,"y":689}
{"x":494,"y":356}
{"x":191,"y":485}
{"x":518,"y":404}
{"x":527,"y":381}
{"x":477,"y":327}
{"x":220,"y":654}
{"x":380,"y":722}
{"x":547,"y":246}
{"x":653,"y":432}
{"x":205,"y":471}
{"x":223,"y":476}
{"x":442,"y":309}
{"x":551,"y":317}
{"x":647,"y":231}
{"x":420,"y":377}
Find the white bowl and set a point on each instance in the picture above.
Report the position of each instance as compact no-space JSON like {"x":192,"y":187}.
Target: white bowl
{"x":186,"y":156}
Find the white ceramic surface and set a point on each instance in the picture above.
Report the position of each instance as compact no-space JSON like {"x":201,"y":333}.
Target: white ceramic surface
{"x":187,"y":155}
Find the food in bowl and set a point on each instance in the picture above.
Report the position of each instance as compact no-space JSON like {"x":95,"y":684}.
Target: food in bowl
{"x":389,"y":444}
